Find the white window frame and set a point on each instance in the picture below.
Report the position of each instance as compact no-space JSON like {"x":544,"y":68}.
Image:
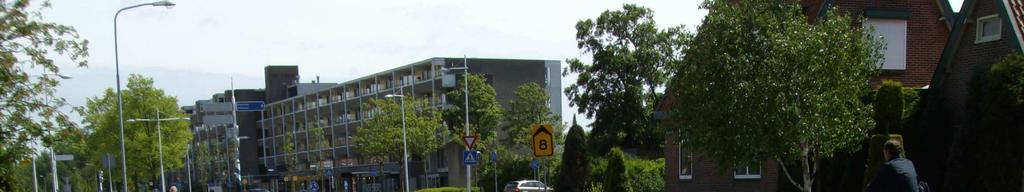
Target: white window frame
{"x":980,"y":27}
{"x":679,"y":161}
{"x":747,"y":174}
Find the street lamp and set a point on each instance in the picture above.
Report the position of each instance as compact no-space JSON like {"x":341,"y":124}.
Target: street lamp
{"x":159,"y":143}
{"x":405,"y":146}
{"x":465,"y":76}
{"x":117,"y":71}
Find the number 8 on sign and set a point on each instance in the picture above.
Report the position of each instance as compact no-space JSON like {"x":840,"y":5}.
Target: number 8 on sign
{"x":542,"y":140}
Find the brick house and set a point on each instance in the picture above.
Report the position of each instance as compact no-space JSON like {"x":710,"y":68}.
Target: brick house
{"x":915,"y":32}
{"x":985,"y":32}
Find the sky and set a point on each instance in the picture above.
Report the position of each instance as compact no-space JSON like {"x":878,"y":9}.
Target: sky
{"x":194,"y":48}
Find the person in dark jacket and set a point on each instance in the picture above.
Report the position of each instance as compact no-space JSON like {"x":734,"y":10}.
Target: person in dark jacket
{"x":896,"y":174}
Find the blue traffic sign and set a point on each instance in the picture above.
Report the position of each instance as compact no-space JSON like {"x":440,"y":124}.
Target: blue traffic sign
{"x":313,"y":186}
{"x":373,"y":171}
{"x":469,"y":157}
{"x":249,"y":105}
{"x":494,"y":156}
{"x":535,"y":164}
{"x":329,"y":172}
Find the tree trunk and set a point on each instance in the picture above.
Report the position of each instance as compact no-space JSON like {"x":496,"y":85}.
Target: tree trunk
{"x":808,"y":180}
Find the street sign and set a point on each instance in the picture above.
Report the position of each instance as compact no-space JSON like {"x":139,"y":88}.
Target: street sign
{"x":469,"y":157}
{"x":534,"y":164}
{"x":64,"y":157}
{"x":249,"y":105}
{"x":494,"y":156}
{"x":373,"y":171}
{"x":313,"y":186}
{"x":543,"y":142}
{"x":329,"y":172}
{"x":470,"y":141}
{"x":108,"y":160}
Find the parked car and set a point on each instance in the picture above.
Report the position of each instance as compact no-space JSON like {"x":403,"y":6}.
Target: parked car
{"x":527,"y":186}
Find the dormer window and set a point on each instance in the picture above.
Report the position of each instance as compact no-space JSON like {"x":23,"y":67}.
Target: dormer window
{"x":989,"y":28}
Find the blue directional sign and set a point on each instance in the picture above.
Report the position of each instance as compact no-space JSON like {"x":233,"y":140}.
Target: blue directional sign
{"x":313,"y":186}
{"x":469,"y":157}
{"x":249,"y":105}
{"x":535,"y":164}
{"x":329,"y":172}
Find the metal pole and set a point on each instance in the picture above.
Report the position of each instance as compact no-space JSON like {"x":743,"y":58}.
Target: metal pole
{"x":465,"y":75}
{"x":405,"y":146}
{"x":160,"y":149}
{"x":53,"y":169}
{"x":111,"y":181}
{"x":35,"y":180}
{"x":495,"y":171}
{"x":188,"y":163}
{"x":120,"y":106}
{"x":234,"y":119}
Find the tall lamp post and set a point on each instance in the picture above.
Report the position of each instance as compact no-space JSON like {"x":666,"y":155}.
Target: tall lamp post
{"x":160,"y":143}
{"x":405,"y":146}
{"x":117,"y":71}
{"x":465,"y":76}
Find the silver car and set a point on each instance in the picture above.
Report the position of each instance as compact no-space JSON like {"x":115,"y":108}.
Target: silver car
{"x":527,"y":186}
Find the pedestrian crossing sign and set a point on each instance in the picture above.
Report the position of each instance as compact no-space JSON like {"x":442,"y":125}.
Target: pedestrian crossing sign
{"x":469,"y":157}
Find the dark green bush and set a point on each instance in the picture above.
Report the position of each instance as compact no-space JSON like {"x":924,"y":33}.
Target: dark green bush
{"x":575,"y":165}
{"x":889,"y":107}
{"x":448,"y":189}
{"x":615,"y":172}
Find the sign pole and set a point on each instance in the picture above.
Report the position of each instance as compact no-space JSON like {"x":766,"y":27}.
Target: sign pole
{"x":465,"y":76}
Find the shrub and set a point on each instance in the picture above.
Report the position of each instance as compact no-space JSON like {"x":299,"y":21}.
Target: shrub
{"x":615,"y":172}
{"x":645,"y":175}
{"x":889,"y":107}
{"x":447,"y":189}
{"x":573,"y":171}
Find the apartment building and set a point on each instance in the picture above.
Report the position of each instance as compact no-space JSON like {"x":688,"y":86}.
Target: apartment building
{"x":306,"y":134}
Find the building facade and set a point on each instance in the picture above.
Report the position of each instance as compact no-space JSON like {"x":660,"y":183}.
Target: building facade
{"x":306,"y":135}
{"x":985,"y":32}
{"x":220,"y":152}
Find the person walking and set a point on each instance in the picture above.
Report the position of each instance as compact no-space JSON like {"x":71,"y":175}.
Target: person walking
{"x":896,"y":174}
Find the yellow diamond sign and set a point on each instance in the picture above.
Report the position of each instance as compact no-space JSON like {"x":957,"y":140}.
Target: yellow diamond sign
{"x":543,"y":140}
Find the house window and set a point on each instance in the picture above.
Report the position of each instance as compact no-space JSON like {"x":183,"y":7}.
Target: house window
{"x":685,"y":162}
{"x":989,"y":28}
{"x":893,"y":33}
{"x":747,"y":172}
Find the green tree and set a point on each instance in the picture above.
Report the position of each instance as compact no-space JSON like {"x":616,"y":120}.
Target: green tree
{"x":485,"y":114}
{"x":141,"y":100}
{"x":632,"y":58}
{"x":988,"y":153}
{"x":383,"y":131}
{"x":889,"y":107}
{"x":527,"y":108}
{"x":575,"y":166}
{"x":757,"y":74}
{"x":615,"y":173}
{"x":28,"y":109}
